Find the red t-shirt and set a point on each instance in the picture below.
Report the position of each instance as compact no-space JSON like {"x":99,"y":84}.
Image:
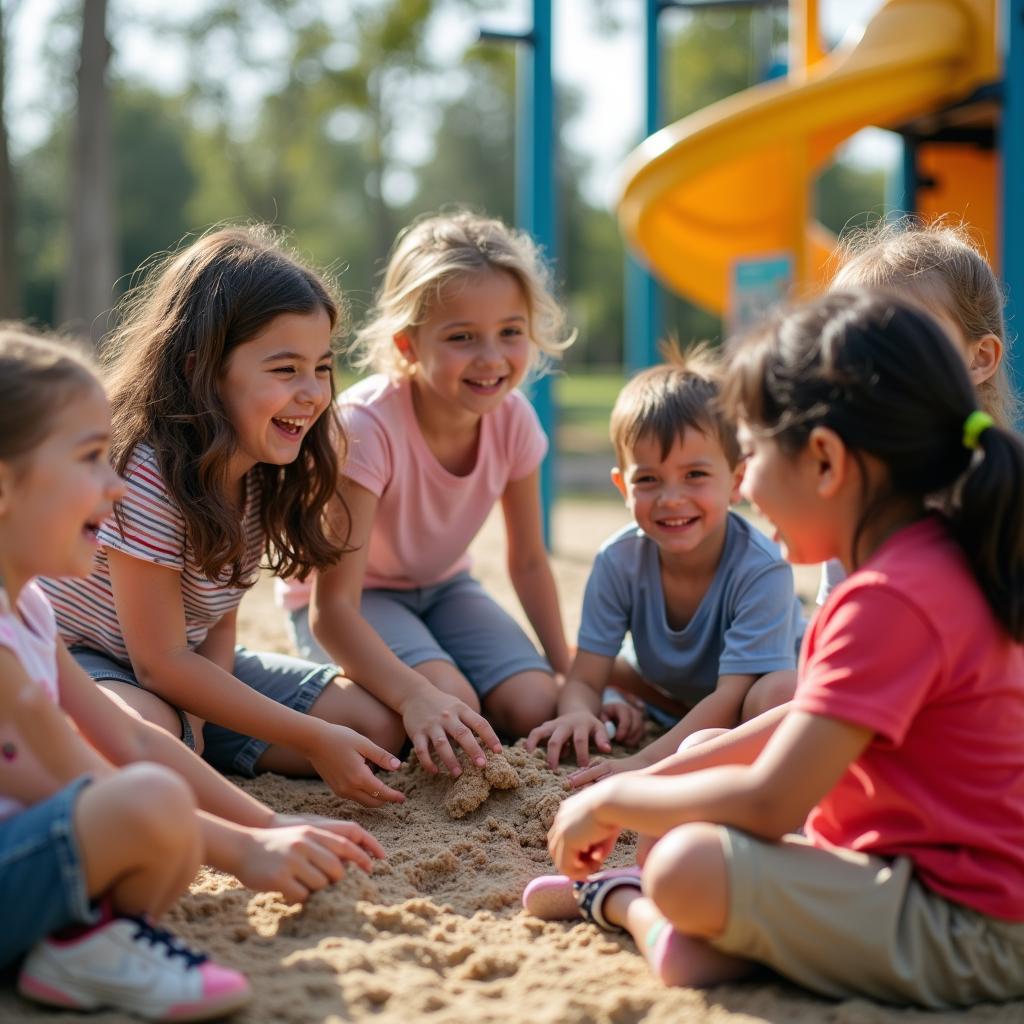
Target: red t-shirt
{"x":908,"y":647}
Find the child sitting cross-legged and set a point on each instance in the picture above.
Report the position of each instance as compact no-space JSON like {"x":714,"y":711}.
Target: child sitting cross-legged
{"x":706,"y":601}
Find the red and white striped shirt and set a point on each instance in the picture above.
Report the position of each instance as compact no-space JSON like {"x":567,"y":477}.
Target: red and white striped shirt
{"x":154,"y":531}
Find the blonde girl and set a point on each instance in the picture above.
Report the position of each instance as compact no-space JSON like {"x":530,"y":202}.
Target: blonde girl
{"x":437,"y":435}
{"x":900,"y":754}
{"x":221,"y":387}
{"x":104,"y":818}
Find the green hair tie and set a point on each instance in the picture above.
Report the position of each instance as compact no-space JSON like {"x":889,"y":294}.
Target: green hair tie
{"x":974,"y":426}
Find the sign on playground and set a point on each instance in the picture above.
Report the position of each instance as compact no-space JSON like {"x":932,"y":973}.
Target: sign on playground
{"x":755,"y":286}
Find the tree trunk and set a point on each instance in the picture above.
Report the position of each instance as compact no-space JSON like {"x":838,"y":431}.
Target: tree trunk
{"x":91,"y":270}
{"x":10,"y":279}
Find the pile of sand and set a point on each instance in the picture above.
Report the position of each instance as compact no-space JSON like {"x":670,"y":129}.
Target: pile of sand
{"x":435,"y":934}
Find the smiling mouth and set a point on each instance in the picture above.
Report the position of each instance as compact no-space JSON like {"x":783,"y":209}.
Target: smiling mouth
{"x":292,"y":426}
{"x":485,"y":383}
{"x":677,"y":521}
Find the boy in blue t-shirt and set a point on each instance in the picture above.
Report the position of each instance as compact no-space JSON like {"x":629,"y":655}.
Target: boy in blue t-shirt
{"x":704,"y":597}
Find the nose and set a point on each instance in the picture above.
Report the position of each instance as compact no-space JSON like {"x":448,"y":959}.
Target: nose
{"x":115,"y":485}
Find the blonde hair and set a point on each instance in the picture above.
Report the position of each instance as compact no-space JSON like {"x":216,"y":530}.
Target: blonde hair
{"x":663,"y":400}
{"x":939,"y":266}
{"x":38,"y":376}
{"x":430,"y":254}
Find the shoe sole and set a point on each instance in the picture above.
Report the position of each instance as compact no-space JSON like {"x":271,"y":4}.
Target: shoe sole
{"x":41,"y":992}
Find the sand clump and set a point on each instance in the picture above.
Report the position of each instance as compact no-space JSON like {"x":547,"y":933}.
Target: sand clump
{"x":474,"y":785}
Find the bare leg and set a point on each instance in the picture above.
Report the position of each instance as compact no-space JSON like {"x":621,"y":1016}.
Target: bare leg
{"x":448,"y":679}
{"x":139,"y":838}
{"x":770,"y":691}
{"x":522,"y":702}
{"x":148,"y":707}
{"x":685,"y":901}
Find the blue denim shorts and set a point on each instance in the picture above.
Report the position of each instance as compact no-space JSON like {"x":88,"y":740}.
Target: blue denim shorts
{"x":42,"y":878}
{"x":293,"y":682}
{"x":455,"y":621}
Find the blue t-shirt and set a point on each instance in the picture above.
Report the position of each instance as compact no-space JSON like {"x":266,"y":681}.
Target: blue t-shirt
{"x":748,"y":623}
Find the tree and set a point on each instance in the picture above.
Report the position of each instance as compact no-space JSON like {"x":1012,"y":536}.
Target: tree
{"x":10,"y":278}
{"x":91,"y":260}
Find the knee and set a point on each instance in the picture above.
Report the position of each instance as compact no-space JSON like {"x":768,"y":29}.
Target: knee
{"x":684,"y":876}
{"x":523,"y":702}
{"x":700,"y":736}
{"x":344,"y":702}
{"x":770,"y":691}
{"x":157,"y":806}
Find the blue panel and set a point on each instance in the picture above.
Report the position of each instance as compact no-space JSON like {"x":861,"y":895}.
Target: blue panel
{"x":1012,"y":151}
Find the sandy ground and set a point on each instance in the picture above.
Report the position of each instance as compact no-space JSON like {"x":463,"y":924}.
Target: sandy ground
{"x":436,"y":934}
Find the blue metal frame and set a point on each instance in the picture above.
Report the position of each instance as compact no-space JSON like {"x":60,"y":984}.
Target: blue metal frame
{"x":535,"y":193}
{"x":1011,"y":144}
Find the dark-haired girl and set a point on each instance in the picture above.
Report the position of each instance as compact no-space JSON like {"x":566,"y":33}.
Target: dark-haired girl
{"x":221,"y":388}
{"x":901,"y":753}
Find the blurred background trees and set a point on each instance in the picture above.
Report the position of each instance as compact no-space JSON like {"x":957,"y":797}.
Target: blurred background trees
{"x":338,"y":120}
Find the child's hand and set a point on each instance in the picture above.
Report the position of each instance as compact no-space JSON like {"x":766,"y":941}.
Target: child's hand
{"x":431,"y":716}
{"x":297,"y":860}
{"x":340,"y":757}
{"x":628,"y":720}
{"x":579,"y":726}
{"x":602,"y":770}
{"x":578,"y":843}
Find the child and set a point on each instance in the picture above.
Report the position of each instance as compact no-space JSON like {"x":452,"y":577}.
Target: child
{"x":220,"y":379}
{"x":707,"y":602}
{"x":91,"y":854}
{"x":900,"y":754}
{"x":939,"y":268}
{"x":436,"y":437}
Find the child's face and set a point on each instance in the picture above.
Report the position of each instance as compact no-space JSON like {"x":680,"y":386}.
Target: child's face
{"x":681,"y":500}
{"x":52,"y":503}
{"x":783,"y":489}
{"x":474,"y":346}
{"x":274,"y":387}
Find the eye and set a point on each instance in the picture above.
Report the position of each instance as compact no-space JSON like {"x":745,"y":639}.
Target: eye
{"x":697,"y":474}
{"x":512,"y":332}
{"x":325,"y":368}
{"x":459,"y":336}
{"x":288,"y":370}
{"x":645,"y":478}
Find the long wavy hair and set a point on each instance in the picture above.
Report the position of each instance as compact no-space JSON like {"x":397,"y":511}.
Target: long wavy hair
{"x":164,"y":365}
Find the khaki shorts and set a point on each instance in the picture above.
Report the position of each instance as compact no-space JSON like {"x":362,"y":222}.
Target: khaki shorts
{"x":848,"y":924}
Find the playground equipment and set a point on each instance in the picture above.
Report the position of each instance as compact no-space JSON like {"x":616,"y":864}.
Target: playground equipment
{"x":719,"y":203}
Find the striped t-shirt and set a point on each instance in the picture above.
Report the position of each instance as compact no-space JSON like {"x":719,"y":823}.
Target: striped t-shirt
{"x":153,"y":530}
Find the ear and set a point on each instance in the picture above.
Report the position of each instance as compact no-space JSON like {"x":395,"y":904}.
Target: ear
{"x":737,"y":480}
{"x":983,"y":358}
{"x":828,"y":459}
{"x":620,"y":483}
{"x":403,"y":342}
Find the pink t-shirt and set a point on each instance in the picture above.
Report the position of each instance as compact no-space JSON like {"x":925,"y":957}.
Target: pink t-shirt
{"x":31,"y":636}
{"x":426,"y":516}
{"x":909,"y":648}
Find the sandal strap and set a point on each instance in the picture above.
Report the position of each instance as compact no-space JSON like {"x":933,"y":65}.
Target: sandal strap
{"x":592,"y":892}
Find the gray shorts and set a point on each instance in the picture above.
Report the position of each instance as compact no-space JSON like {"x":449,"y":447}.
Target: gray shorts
{"x":455,"y":621}
{"x":293,"y":682}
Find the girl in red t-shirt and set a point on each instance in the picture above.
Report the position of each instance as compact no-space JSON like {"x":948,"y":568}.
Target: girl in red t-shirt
{"x":900,"y":755}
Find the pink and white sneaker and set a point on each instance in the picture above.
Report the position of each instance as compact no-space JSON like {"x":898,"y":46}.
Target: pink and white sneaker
{"x":126,"y":963}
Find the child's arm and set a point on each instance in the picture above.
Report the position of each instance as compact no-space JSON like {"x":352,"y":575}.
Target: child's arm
{"x":579,"y":704}
{"x":805,"y":757}
{"x":148,"y":602}
{"x":41,"y":754}
{"x":429,"y":716}
{"x":741,"y":745}
{"x":529,"y":568}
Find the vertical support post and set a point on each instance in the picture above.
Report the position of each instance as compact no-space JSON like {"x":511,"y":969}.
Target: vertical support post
{"x":1011,"y":144}
{"x":643,"y":297}
{"x":901,"y":182}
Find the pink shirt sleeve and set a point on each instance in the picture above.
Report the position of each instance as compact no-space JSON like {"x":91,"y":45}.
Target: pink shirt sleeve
{"x":871,"y":661}
{"x":368,"y":458}
{"x":527,"y":442}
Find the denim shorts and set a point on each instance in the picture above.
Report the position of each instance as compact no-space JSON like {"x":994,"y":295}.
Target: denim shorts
{"x":42,"y":878}
{"x":293,"y":682}
{"x":455,"y":621}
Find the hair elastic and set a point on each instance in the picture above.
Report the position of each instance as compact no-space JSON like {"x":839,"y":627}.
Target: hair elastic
{"x":974,"y":426}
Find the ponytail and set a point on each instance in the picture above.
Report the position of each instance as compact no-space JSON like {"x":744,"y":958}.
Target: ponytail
{"x":988,"y":521}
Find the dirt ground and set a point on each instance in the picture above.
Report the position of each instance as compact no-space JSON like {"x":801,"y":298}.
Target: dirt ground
{"x":435,"y":934}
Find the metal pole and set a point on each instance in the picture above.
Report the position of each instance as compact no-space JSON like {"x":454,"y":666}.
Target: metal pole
{"x":643,"y":298}
{"x":1011,"y":143}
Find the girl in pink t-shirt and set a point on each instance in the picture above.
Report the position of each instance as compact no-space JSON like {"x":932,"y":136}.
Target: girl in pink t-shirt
{"x":901,"y":753}
{"x":104,"y":818}
{"x":435,"y":438}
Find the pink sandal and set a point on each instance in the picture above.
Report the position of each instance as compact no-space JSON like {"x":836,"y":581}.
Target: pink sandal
{"x":559,"y":898}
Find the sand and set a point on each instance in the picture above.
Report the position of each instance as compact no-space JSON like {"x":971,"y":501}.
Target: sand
{"x":435,"y":934}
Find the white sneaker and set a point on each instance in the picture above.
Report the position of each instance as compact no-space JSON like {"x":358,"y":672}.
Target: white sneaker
{"x":126,"y":963}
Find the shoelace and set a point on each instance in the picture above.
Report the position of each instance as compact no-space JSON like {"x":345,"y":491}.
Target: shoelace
{"x":161,"y":937}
